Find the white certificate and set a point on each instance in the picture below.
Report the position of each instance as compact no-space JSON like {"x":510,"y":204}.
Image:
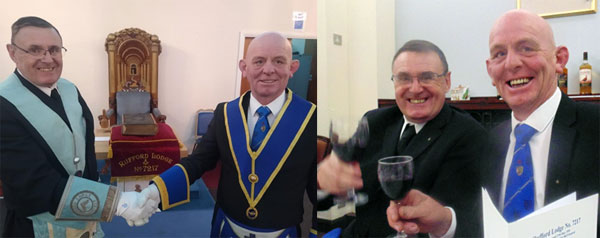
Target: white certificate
{"x":561,"y":219}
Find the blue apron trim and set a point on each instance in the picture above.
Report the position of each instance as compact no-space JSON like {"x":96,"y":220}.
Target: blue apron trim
{"x":313,"y":233}
{"x":266,"y":162}
{"x":174,"y":187}
{"x":224,"y":226}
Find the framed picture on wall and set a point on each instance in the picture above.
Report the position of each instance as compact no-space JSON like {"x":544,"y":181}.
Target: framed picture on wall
{"x":558,"y":8}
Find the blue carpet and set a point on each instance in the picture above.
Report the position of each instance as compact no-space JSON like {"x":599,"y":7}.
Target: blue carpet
{"x":189,"y":220}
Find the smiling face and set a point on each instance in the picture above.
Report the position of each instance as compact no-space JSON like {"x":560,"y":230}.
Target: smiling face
{"x":524,"y":61}
{"x":268,"y":65}
{"x":42,"y":71}
{"x":420,"y":102}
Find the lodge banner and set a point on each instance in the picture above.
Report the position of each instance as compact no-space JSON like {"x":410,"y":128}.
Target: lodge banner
{"x":142,"y":155}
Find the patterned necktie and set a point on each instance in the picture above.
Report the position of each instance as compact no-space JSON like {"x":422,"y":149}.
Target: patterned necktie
{"x":261,"y":128}
{"x":409,"y":133}
{"x":519,"y":199}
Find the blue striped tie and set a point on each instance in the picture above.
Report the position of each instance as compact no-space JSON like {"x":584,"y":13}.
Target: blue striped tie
{"x":261,"y":128}
{"x":519,"y":199}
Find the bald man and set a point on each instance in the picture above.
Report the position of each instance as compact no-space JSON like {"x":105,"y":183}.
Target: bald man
{"x":265,"y":141}
{"x":564,"y":135}
{"x":549,"y":147}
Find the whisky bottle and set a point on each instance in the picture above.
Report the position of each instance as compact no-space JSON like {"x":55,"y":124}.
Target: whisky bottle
{"x":585,"y":76}
{"x":563,"y":80}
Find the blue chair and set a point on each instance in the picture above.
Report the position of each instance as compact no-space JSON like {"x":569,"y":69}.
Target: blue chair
{"x":203,"y":118}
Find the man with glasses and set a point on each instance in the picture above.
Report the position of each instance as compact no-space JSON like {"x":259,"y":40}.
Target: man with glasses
{"x":444,"y":141}
{"x":549,"y":147}
{"x":47,"y":157}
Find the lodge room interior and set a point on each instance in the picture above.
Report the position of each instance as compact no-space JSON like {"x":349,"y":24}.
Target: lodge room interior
{"x":186,"y":61}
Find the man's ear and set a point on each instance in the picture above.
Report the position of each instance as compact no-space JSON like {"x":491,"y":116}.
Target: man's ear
{"x":294,"y":67}
{"x":242,"y":65}
{"x":562,"y":56}
{"x":448,"y":81}
{"x":11,"y":52}
{"x":487,"y":66}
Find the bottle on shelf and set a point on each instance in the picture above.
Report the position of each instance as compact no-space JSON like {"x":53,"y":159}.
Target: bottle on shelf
{"x":563,"y":80}
{"x":585,"y":76}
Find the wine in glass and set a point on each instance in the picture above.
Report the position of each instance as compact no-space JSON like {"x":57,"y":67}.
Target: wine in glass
{"x":395,"y":174}
{"x":344,"y":142}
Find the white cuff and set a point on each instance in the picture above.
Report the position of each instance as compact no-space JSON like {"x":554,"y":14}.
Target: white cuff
{"x":451,"y":230}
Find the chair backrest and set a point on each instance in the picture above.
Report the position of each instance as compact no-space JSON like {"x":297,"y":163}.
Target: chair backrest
{"x":323,"y":147}
{"x":132,"y":103}
{"x":203,"y":119}
{"x":132,"y":67}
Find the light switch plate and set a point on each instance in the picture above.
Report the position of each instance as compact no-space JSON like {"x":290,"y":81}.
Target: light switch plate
{"x":337,"y":39}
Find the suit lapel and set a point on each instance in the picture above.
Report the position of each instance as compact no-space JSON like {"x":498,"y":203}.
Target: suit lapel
{"x":391,"y":137}
{"x":560,"y":148}
{"x":429,"y":133}
{"x":495,"y":163}
{"x":246,"y":102}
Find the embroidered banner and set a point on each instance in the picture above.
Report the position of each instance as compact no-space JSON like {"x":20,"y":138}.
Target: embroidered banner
{"x":142,"y":155}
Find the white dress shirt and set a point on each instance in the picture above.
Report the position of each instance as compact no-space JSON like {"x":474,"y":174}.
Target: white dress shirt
{"x":46,"y":90}
{"x":452,"y":229}
{"x":275,"y":106}
{"x":541,"y":120}
{"x":418,"y":126}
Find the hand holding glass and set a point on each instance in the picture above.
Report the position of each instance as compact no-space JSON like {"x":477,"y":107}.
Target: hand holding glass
{"x":395,"y":174}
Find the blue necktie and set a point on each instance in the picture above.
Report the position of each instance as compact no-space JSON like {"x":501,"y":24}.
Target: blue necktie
{"x":519,"y":199}
{"x":261,"y":128}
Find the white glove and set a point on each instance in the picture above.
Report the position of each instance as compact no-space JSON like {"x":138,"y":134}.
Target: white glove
{"x":136,"y":208}
{"x":150,"y":193}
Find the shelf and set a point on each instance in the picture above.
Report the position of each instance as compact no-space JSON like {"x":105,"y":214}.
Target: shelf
{"x":490,"y":111}
{"x":492,"y":103}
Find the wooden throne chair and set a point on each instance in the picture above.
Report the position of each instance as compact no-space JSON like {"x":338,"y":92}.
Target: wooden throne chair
{"x":132,"y":75}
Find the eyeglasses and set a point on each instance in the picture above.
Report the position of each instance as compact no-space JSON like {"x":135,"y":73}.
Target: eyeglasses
{"x":424,"y":78}
{"x":40,"y":52}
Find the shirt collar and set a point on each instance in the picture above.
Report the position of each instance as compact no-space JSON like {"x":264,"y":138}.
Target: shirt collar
{"x":46,"y":90}
{"x":275,"y":105}
{"x":539,"y":119}
{"x":418,"y":126}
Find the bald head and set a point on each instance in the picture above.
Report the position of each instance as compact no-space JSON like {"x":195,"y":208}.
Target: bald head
{"x":519,"y":18}
{"x":524,"y":61}
{"x":268,"y":66}
{"x":270,"y":40}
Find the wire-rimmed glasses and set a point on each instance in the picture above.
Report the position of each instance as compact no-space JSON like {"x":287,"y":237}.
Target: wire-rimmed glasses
{"x":37,"y":51}
{"x":423,"y":78}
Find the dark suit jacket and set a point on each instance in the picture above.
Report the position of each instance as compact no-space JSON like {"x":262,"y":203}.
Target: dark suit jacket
{"x":573,"y":163}
{"x":282,"y":204}
{"x":32,"y":177}
{"x":445,"y":152}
